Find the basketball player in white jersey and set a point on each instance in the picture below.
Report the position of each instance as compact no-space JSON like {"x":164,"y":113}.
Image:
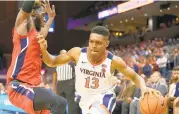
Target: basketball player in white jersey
{"x":94,"y":68}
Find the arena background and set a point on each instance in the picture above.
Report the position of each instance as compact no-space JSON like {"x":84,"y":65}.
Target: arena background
{"x":75,"y":19}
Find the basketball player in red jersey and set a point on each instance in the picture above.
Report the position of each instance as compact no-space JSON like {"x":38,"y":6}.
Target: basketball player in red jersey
{"x":94,"y":70}
{"x":24,"y":73}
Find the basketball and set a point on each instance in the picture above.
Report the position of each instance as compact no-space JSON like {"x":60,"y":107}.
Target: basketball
{"x":152,"y":104}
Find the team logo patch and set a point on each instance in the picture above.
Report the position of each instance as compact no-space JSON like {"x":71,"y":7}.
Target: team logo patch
{"x":103,"y":68}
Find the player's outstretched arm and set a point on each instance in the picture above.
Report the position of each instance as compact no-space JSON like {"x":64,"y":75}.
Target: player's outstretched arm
{"x":51,"y":15}
{"x":120,"y":65}
{"x":53,"y":61}
{"x":25,"y":11}
{"x":61,"y":59}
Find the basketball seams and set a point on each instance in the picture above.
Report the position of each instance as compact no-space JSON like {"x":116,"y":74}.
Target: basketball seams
{"x":148,"y":104}
{"x":156,"y":105}
{"x":151,"y":107}
{"x":163,"y":106}
{"x":142,"y":108}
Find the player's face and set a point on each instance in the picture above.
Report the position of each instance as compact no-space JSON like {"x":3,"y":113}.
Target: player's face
{"x":39,"y":19}
{"x":97,"y":43}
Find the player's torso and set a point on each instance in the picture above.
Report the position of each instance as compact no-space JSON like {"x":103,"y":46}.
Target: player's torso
{"x":26,"y":60}
{"x":92,"y":79}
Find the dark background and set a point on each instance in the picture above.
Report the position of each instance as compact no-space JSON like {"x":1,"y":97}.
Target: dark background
{"x":60,"y":39}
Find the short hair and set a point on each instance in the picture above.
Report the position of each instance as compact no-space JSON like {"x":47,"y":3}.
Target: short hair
{"x":101,"y":30}
{"x":37,"y":5}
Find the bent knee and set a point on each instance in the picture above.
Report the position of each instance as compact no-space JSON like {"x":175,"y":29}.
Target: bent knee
{"x":99,"y":109}
{"x":60,"y":101}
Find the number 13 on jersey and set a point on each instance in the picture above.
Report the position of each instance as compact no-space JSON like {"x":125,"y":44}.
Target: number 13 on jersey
{"x":92,"y":82}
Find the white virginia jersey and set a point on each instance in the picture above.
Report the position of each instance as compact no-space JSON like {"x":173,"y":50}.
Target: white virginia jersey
{"x":93,"y":79}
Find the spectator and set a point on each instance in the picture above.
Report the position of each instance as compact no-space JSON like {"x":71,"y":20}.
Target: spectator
{"x":152,"y":61}
{"x":162,"y":64}
{"x":173,"y":95}
{"x":2,"y":89}
{"x":147,"y":69}
{"x":159,"y":83}
{"x":176,"y":58}
{"x":125,"y":96}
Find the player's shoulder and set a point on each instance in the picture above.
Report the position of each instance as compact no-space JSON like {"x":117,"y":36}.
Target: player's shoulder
{"x":117,"y":60}
{"x":74,"y":51}
{"x":110,"y":55}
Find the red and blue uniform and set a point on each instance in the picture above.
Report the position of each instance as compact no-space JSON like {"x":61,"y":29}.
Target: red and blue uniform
{"x":25,"y":69}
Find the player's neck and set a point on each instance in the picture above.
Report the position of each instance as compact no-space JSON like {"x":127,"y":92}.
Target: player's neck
{"x":96,"y":59}
{"x":34,"y":26}
{"x":30,"y":25}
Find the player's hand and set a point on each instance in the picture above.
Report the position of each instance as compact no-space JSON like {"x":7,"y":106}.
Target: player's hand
{"x":50,"y":11}
{"x":42,"y":42}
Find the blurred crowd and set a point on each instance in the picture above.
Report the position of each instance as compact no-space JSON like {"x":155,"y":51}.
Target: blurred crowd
{"x":154,"y":60}
{"x":152,"y":55}
{"x":2,"y":89}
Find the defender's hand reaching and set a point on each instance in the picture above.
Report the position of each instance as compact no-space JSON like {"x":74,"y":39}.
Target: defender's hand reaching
{"x":42,"y":42}
{"x":50,"y":11}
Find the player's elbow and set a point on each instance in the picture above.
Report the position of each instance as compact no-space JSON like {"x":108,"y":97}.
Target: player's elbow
{"x":49,"y":63}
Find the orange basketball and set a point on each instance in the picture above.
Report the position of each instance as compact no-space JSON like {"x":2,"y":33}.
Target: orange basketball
{"x":152,"y":104}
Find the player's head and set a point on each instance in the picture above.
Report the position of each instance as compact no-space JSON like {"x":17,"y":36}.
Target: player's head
{"x":99,"y":39}
{"x":38,"y":15}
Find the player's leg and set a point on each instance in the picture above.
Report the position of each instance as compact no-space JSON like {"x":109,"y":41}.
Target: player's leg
{"x":46,"y":99}
{"x":105,"y":106}
{"x":98,"y":109}
{"x":109,"y":101}
{"x":22,"y":96}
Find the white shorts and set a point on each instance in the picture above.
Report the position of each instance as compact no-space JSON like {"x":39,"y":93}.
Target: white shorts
{"x":108,"y":99}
